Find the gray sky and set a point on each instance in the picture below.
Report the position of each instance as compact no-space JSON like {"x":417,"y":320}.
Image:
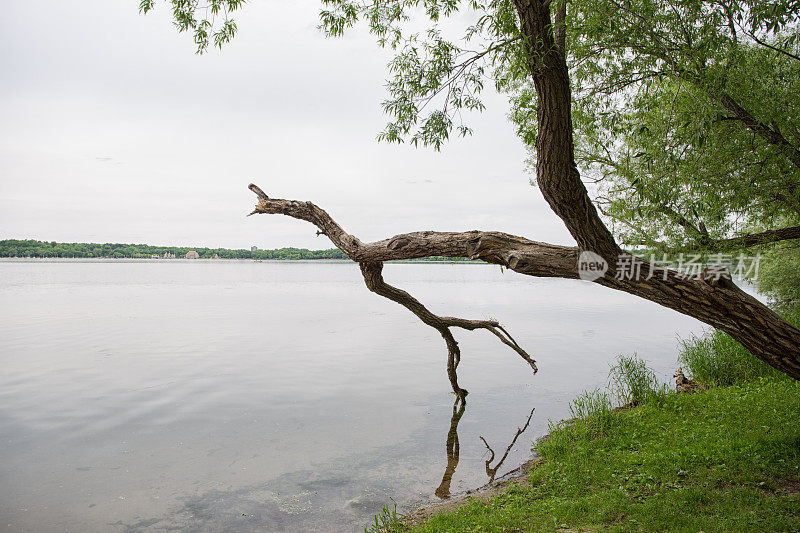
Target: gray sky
{"x":113,"y":130}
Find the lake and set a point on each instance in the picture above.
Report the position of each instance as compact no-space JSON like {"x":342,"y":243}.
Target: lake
{"x":280,"y":396}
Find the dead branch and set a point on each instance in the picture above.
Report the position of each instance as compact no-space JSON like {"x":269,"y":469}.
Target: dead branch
{"x":374,"y":281}
{"x":515,"y":253}
{"x":493,"y":247}
{"x":720,"y":305}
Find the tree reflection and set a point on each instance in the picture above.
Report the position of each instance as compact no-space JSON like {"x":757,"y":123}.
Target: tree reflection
{"x":443,"y":491}
{"x":492,"y":471}
{"x":452,"y":447}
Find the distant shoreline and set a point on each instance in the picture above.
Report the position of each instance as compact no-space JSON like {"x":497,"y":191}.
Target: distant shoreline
{"x":33,"y":249}
{"x":218,"y":260}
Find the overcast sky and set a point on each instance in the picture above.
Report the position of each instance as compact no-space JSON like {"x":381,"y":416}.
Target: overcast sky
{"x":113,"y":130}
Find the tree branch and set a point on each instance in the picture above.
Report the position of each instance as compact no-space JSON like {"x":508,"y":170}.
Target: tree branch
{"x":746,"y":241}
{"x":375,"y":283}
{"x":717,"y":302}
{"x":772,"y":135}
{"x":513,"y":252}
{"x":370,"y":257}
{"x":774,"y":48}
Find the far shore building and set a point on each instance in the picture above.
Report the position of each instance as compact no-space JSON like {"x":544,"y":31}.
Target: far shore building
{"x":191,"y":254}
{"x":254,"y":248}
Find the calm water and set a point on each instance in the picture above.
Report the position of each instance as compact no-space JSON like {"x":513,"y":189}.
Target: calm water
{"x":276,"y":396}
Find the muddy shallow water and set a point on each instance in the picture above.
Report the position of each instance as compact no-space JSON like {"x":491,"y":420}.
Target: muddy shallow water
{"x":280,"y":396}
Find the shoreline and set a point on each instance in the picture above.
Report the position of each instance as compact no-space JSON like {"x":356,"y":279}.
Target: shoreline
{"x":219,"y":260}
{"x":722,"y":458}
{"x":517,"y":476}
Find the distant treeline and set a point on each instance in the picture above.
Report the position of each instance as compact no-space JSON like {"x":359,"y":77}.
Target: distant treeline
{"x":32,"y":248}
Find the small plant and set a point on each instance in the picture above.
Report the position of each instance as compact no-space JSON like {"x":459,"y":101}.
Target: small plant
{"x":593,"y":407}
{"x":387,"y":521}
{"x":633,"y":383}
{"x":560,"y":439}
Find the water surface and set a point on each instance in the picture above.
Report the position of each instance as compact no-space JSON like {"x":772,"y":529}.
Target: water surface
{"x":280,"y":396}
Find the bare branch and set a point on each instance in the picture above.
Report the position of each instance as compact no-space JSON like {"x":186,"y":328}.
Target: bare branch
{"x":493,"y":247}
{"x":516,"y":253}
{"x":718,"y":304}
{"x":374,"y":281}
{"x":256,"y":189}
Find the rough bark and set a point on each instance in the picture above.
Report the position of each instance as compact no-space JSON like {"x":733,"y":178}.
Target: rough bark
{"x":716,"y":302}
{"x":556,"y":172}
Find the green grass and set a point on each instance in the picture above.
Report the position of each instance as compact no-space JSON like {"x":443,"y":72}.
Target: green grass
{"x":633,"y":383}
{"x":718,"y":360}
{"x":715,"y":359}
{"x":387,"y":520}
{"x":594,"y":408}
{"x":724,"y":459}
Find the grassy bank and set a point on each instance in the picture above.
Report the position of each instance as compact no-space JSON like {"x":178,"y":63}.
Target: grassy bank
{"x":726,"y":458}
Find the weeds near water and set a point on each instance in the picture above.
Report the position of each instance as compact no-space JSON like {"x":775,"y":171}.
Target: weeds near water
{"x":387,"y":521}
{"x":717,"y":360}
{"x":634,"y":383}
{"x":593,"y":407}
{"x":592,"y":415}
{"x":631,"y":382}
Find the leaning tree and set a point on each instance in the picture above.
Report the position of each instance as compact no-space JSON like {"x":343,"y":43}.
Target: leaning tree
{"x":610,"y":52}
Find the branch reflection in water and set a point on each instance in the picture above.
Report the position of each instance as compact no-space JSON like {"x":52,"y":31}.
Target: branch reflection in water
{"x":452,"y":447}
{"x":443,"y":491}
{"x":492,"y":471}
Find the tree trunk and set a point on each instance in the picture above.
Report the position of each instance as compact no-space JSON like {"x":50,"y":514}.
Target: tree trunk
{"x":722,"y":305}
